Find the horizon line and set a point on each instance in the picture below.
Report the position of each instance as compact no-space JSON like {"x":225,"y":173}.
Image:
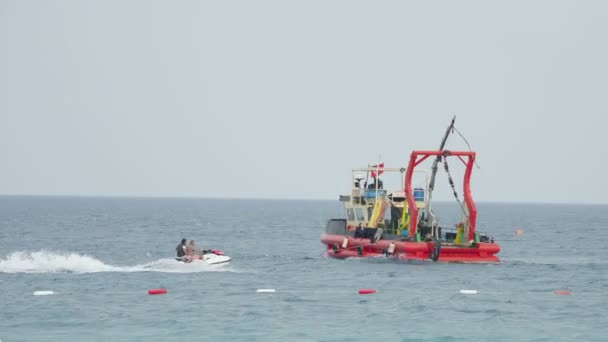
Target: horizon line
{"x":194,"y":197}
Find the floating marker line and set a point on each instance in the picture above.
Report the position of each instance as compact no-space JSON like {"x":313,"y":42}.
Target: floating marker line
{"x":344,"y":291}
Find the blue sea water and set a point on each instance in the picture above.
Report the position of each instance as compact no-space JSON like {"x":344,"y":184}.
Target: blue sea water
{"x":101,"y":255}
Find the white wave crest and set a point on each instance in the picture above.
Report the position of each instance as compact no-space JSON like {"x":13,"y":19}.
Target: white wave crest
{"x":67,"y":262}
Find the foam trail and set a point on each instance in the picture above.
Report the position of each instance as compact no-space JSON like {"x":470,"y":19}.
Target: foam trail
{"x":66,"y":262}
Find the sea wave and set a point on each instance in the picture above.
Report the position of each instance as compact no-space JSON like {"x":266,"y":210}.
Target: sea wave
{"x":69,"y":262}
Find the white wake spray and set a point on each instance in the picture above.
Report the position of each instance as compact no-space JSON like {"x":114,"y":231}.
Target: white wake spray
{"x":66,"y":262}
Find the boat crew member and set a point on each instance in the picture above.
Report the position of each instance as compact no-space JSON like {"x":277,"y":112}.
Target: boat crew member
{"x":358,"y":231}
{"x":375,"y":184}
{"x":460,"y":233}
{"x":181,"y":249}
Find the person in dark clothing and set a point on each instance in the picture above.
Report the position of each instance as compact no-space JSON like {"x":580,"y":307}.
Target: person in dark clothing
{"x":181,"y":249}
{"x":358,"y":231}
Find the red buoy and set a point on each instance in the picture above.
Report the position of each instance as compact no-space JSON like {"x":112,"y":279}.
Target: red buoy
{"x":565,"y":293}
{"x":157,"y":291}
{"x":367,"y":291}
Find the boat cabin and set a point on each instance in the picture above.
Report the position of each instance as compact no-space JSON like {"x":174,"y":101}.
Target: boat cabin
{"x":377,"y":199}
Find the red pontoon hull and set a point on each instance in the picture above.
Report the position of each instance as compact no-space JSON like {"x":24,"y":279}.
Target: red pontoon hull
{"x":409,"y":250}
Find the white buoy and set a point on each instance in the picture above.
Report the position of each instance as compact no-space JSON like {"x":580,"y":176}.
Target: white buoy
{"x":468,"y":291}
{"x":265,"y":290}
{"x":43,"y":293}
{"x":345,"y":242}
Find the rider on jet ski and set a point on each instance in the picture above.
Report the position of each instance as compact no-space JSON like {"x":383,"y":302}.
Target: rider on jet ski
{"x":181,"y":248}
{"x":191,"y":248}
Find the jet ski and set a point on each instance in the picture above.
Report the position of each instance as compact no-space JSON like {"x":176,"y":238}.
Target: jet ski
{"x":209,"y":257}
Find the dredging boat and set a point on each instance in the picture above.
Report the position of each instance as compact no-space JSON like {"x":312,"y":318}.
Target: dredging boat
{"x":400,"y":223}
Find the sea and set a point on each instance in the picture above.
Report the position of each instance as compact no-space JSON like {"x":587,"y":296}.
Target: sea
{"x":98,"y":257}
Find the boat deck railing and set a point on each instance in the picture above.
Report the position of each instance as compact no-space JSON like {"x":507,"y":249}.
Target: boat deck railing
{"x":449,"y":234}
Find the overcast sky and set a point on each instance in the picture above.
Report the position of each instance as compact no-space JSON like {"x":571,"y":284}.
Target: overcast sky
{"x":281,"y":99}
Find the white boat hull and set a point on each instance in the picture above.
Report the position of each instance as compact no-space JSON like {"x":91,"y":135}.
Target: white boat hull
{"x":208,"y":258}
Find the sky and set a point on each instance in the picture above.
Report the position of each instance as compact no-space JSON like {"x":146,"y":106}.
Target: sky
{"x":281,"y":99}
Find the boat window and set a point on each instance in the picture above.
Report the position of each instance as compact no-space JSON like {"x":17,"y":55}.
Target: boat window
{"x":350,"y":214}
{"x":360,"y":214}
